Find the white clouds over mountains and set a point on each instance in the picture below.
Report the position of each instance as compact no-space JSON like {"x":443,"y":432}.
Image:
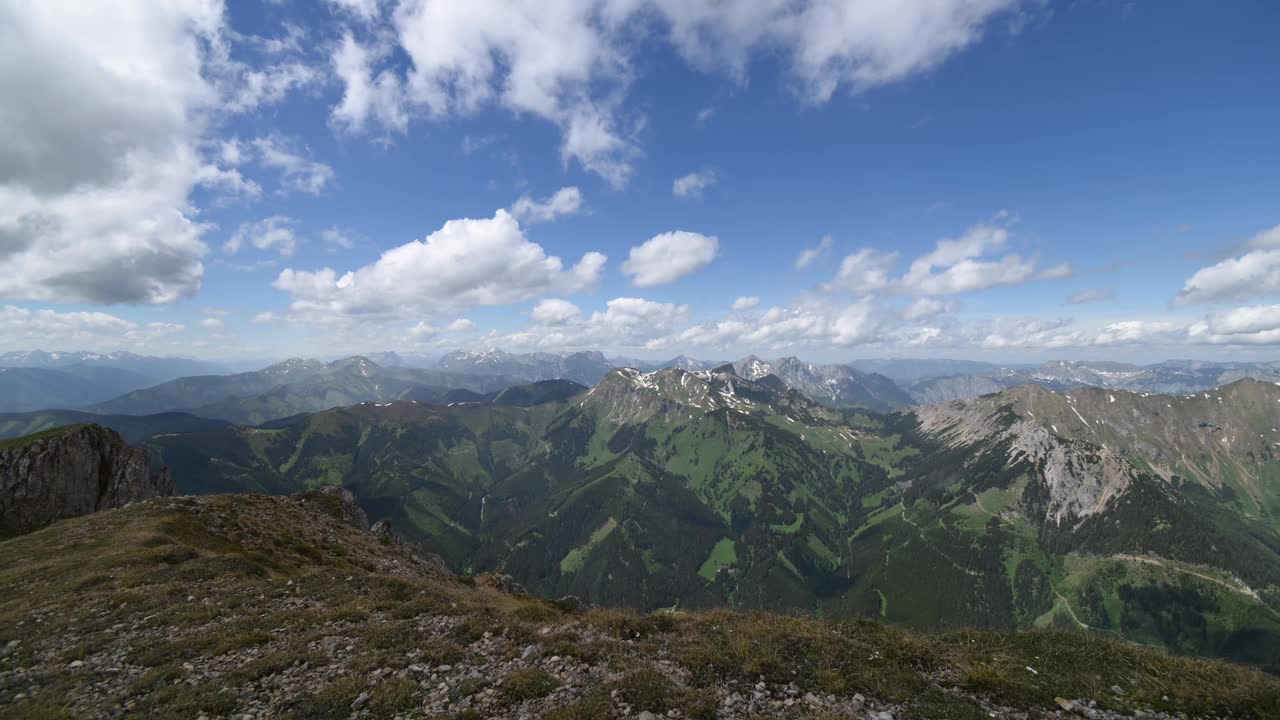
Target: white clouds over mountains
{"x":1253,"y":274}
{"x":465,"y":263}
{"x":670,"y":256}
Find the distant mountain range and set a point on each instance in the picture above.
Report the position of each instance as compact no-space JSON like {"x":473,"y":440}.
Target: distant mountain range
{"x":1171,"y":377}
{"x":1027,"y":508}
{"x":295,"y":386}
{"x":832,"y":385}
{"x":123,"y":383}
{"x":36,"y":380}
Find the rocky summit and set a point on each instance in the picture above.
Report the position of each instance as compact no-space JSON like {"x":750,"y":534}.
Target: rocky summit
{"x":252,"y":606}
{"x":70,"y":471}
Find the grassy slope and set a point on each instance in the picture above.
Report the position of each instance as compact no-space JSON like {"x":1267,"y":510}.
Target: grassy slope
{"x":175,"y":607}
{"x":844,"y":515}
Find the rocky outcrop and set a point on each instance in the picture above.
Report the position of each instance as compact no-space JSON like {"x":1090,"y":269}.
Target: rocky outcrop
{"x":71,"y":471}
{"x":1080,"y":478}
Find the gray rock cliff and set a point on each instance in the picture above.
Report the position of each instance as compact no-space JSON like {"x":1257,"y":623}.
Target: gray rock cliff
{"x":71,"y":471}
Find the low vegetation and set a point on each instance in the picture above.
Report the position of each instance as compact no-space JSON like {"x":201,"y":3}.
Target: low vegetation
{"x":228,"y":604}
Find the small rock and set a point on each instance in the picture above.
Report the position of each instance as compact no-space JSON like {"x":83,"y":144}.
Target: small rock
{"x":646,"y":715}
{"x":1065,"y":704}
{"x":884,"y":715}
{"x":360,"y":700}
{"x":76,"y":664}
{"x":529,"y":652}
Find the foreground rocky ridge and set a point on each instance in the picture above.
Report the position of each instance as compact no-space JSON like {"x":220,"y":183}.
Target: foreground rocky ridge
{"x":71,"y":471}
{"x":255,"y":606}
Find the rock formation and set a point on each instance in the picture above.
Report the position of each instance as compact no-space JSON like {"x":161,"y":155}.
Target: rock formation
{"x":71,"y":471}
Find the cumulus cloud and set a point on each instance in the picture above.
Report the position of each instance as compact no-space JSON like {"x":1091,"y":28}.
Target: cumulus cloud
{"x":460,"y":325}
{"x":809,"y":255}
{"x":214,"y":324}
{"x":1132,"y":332}
{"x":805,"y":323}
{"x":367,"y":98}
{"x":565,"y":201}
{"x":668,"y":257}
{"x":1254,"y":274}
{"x":572,"y":63}
{"x":1091,"y":295}
{"x":555,"y":311}
{"x":27,"y":328}
{"x":102,"y":115}
{"x":276,"y":232}
{"x":264,"y":318}
{"x":465,"y":263}
{"x":1249,"y":325}
{"x":924,"y":309}
{"x":864,"y":271}
{"x":625,"y":322}
{"x":953,"y":266}
{"x":746,"y":303}
{"x":692,"y":185}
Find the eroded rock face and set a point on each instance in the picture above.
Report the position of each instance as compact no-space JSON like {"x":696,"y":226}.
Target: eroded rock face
{"x":1080,"y":478}
{"x":83,"y":469}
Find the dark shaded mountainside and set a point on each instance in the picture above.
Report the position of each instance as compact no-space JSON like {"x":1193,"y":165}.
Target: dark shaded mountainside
{"x":70,"y":471}
{"x":287,"y":607}
{"x":1151,"y":518}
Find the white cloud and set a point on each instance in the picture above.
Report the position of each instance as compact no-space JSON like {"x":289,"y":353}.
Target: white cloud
{"x":1133,"y":332}
{"x":668,"y":257}
{"x":746,"y":303}
{"x":864,"y":271}
{"x":422,"y":331}
{"x":1254,"y":274}
{"x":212,"y":324}
{"x":817,"y":324}
{"x":270,"y":84}
{"x":98,"y":331}
{"x":808,"y":255}
{"x":275,"y":232}
{"x":1090,"y":295}
{"x":953,"y":265}
{"x":925,"y":308}
{"x":692,"y":185}
{"x":565,"y":201}
{"x":554,"y":311}
{"x":296,"y":171}
{"x":102,"y":114}
{"x":1029,"y":333}
{"x":460,"y":325}
{"x":366,"y":98}
{"x":625,"y":322}
{"x":572,"y":62}
{"x":1250,"y":325}
{"x":264,"y":318}
{"x":464,"y":263}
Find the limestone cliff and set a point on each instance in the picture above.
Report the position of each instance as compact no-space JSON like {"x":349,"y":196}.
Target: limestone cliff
{"x":71,"y":471}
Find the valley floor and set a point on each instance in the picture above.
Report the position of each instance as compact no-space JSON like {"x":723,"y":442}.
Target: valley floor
{"x":265,"y":607}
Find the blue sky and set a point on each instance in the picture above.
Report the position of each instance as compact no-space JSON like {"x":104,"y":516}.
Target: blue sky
{"x":180,"y":179}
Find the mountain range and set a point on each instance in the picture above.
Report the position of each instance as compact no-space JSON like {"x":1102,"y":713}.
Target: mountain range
{"x":1149,"y":517}
{"x":1172,"y":377}
{"x":37,"y":380}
